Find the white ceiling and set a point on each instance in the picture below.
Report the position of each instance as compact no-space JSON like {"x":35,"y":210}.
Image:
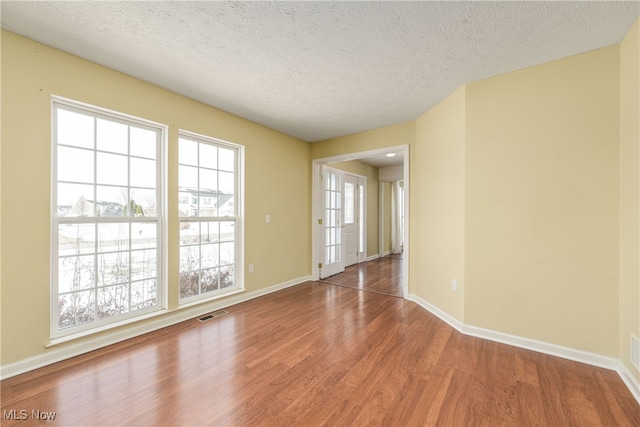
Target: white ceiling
{"x":316,"y":70}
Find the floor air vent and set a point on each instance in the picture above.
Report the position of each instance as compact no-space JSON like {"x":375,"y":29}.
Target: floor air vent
{"x":212,"y":315}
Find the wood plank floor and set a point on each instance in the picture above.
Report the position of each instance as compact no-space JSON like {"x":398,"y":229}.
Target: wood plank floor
{"x":382,"y":275}
{"x":319,"y":355}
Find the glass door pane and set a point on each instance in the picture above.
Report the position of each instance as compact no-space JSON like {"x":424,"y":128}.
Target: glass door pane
{"x":332,"y":222}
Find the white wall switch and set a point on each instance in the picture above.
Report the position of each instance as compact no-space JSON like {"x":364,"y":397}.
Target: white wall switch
{"x":267,"y":219}
{"x":454,"y":285}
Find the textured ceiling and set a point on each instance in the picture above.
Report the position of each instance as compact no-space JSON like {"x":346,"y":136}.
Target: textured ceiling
{"x":317,"y":70}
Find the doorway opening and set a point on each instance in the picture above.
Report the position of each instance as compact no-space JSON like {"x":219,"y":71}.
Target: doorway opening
{"x":343,"y":220}
{"x":332,"y":249}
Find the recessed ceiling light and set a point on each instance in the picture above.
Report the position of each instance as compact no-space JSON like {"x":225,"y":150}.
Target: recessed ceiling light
{"x":391,"y":154}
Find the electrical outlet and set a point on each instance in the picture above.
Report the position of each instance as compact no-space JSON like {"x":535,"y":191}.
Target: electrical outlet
{"x":250,"y":268}
{"x":454,"y":285}
{"x":267,"y":219}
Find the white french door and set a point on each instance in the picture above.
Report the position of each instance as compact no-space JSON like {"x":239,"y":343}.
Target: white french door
{"x":332,"y":222}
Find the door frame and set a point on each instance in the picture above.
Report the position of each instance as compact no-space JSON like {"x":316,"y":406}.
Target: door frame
{"x":316,"y":212}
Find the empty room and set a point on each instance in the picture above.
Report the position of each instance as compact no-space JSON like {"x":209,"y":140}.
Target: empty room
{"x":320,"y":213}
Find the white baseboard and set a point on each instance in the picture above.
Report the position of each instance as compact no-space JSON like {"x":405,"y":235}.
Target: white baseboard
{"x":446,"y":317}
{"x":629,"y":380}
{"x":581,"y":356}
{"x":65,"y":351}
{"x":588,"y":358}
{"x":372,"y":257}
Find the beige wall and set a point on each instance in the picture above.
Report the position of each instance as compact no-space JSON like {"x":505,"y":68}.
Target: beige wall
{"x":438,"y":205}
{"x":371,"y":173}
{"x":541,"y":247}
{"x":629,"y":193}
{"x":31,"y":72}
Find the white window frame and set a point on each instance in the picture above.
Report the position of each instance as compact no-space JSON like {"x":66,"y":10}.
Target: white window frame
{"x":238,"y":205}
{"x":97,"y":325}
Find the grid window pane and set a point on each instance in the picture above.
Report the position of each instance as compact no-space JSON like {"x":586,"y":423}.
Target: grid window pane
{"x":188,"y":176}
{"x":113,"y":237}
{"x":145,"y":202}
{"x":76,"y":273}
{"x":227,"y":253}
{"x":143,"y":142}
{"x":208,"y":180}
{"x":112,"y":301}
{"x":144,"y":294}
{"x":112,"y":201}
{"x":107,"y":218}
{"x":210,"y":255}
{"x":143,"y":264}
{"x":226,"y":183}
{"x":190,"y":258}
{"x":207,"y":193}
{"x":188,"y":152}
{"x":73,"y":200}
{"x":76,"y":239}
{"x":74,"y":129}
{"x":226,"y":159}
{"x":209,"y":280}
{"x":144,"y":235}
{"x":113,"y":268}
{"x":76,"y":308}
{"x":112,"y":136}
{"x":189,"y":233}
{"x":112,"y":169}
{"x":227,"y":231}
{"x":143,"y":173}
{"x":208,"y":156}
{"x":227,"y":276}
{"x":75,"y":165}
{"x":189,"y":284}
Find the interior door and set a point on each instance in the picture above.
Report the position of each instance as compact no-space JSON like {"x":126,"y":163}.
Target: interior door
{"x":331,"y":223}
{"x":351,"y":219}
